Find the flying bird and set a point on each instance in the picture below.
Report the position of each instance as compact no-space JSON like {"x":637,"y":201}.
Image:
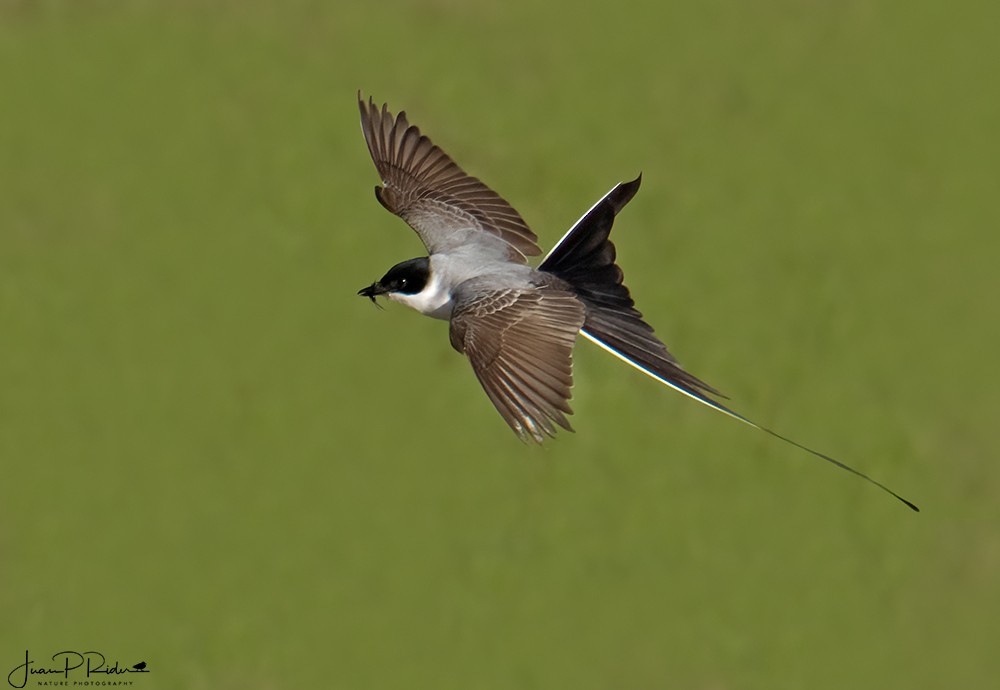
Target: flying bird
{"x":517,"y":324}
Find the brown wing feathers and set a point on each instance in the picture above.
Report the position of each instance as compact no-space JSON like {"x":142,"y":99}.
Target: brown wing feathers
{"x":428,"y":190}
{"x":520,"y":344}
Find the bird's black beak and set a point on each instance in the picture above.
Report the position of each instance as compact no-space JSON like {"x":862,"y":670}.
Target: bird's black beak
{"x":372,"y":291}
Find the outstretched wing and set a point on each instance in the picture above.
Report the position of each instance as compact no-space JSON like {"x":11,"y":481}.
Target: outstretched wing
{"x":520,"y":344}
{"x":447,"y":207}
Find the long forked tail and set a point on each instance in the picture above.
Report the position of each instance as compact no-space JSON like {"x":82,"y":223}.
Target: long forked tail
{"x":585,"y":258}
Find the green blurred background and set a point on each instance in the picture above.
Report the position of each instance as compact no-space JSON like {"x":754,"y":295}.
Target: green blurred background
{"x":218,"y":459}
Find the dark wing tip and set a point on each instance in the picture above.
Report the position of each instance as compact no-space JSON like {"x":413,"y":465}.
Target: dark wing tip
{"x":364,"y":107}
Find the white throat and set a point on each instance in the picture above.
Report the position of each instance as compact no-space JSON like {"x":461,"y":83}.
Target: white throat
{"x":434,"y":300}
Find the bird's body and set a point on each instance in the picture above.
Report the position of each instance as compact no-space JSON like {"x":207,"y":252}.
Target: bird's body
{"x":449,"y":271}
{"x":516,"y":324}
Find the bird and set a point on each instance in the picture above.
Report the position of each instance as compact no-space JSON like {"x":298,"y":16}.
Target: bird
{"x":140,"y":666}
{"x":516,"y":324}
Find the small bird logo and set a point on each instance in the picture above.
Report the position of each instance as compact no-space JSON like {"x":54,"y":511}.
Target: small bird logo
{"x":141,"y":666}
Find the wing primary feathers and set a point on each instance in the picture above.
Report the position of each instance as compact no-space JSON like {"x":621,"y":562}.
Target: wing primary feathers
{"x":445,"y":205}
{"x":520,"y":344}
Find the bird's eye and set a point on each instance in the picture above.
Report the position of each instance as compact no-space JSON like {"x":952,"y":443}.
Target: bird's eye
{"x":402,"y":282}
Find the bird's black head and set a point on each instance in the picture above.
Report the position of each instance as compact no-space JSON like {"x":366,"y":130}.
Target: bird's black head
{"x":408,"y":277}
